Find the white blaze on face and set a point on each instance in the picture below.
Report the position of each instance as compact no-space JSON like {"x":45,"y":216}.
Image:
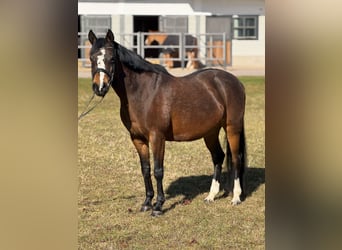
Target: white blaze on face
{"x":101,"y":65}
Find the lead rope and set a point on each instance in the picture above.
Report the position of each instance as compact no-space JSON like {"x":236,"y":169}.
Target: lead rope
{"x":86,"y":112}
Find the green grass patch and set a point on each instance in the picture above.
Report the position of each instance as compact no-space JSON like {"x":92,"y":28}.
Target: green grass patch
{"x":111,"y":187}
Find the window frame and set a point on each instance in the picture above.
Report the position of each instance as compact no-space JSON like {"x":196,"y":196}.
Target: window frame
{"x":244,"y":27}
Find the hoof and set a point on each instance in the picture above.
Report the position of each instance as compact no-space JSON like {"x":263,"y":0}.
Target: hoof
{"x":156,"y":213}
{"x":236,"y":202}
{"x":209,"y":199}
{"x":145,"y":208}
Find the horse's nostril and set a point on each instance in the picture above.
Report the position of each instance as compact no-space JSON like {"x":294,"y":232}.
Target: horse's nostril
{"x":100,"y":90}
{"x":95,"y":87}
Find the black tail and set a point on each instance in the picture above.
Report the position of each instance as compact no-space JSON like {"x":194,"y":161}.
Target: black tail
{"x":243,"y":150}
{"x":243,"y":155}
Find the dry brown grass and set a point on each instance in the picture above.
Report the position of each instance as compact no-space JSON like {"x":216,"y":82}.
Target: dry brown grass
{"x":111,"y":187}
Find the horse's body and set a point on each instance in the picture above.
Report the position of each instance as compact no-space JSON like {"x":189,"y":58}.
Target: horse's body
{"x":158,"y":107}
{"x":163,"y":39}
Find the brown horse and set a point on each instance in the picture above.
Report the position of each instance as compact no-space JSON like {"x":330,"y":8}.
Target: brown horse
{"x":164,"y":39}
{"x":158,"y":107}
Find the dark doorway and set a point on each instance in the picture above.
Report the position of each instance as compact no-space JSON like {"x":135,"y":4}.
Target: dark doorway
{"x":146,"y":24}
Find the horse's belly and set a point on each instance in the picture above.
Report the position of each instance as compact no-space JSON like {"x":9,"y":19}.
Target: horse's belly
{"x":195,"y":125}
{"x":187,"y":136}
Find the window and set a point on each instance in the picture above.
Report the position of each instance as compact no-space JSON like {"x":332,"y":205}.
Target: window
{"x":99,"y":24}
{"x":173,"y":24}
{"x":245,"y":27}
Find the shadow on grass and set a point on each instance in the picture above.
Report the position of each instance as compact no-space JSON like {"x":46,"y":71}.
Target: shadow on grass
{"x":192,"y":186}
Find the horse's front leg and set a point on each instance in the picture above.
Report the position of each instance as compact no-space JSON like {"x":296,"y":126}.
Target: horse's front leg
{"x":158,"y":149}
{"x":144,"y":155}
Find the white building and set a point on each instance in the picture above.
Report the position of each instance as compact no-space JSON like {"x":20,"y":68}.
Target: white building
{"x":243,"y":22}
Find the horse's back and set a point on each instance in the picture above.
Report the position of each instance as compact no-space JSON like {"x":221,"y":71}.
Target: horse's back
{"x":221,"y":80}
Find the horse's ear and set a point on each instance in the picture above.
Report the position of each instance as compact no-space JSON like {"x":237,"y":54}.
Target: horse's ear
{"x":92,"y":37}
{"x":110,"y":36}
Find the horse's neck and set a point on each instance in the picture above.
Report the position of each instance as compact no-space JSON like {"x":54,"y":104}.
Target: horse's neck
{"x":119,"y":84}
{"x":129,"y":83}
{"x":124,"y":83}
{"x":127,"y":88}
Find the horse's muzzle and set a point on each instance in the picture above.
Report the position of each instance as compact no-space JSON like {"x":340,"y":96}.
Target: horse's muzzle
{"x":100,"y":92}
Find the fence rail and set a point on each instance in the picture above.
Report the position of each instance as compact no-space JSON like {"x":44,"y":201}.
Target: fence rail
{"x":213,"y":48}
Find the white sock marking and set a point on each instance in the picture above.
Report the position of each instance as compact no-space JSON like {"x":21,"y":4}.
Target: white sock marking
{"x":236,"y":192}
{"x":214,"y":190}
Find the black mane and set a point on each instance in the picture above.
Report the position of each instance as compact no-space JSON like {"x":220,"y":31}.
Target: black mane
{"x":136,"y":62}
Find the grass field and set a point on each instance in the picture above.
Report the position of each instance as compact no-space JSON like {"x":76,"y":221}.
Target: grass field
{"x":111,"y":187}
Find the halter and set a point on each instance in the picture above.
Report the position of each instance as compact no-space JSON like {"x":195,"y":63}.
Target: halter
{"x":111,"y":78}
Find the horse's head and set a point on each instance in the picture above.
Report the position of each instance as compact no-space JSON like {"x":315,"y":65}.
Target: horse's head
{"x":102,"y":57}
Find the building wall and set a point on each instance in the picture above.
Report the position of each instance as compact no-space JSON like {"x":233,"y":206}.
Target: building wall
{"x":230,"y":7}
{"x":196,"y":24}
{"x":122,"y":24}
{"x":250,"y":53}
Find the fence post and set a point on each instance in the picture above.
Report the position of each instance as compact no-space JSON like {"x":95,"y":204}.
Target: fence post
{"x":181,"y":48}
{"x":224,"y":49}
{"x":211,"y":43}
{"x":139,"y":47}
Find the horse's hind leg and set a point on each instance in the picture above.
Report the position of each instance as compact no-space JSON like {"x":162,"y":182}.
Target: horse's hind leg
{"x":217,"y":155}
{"x":233,"y":135}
